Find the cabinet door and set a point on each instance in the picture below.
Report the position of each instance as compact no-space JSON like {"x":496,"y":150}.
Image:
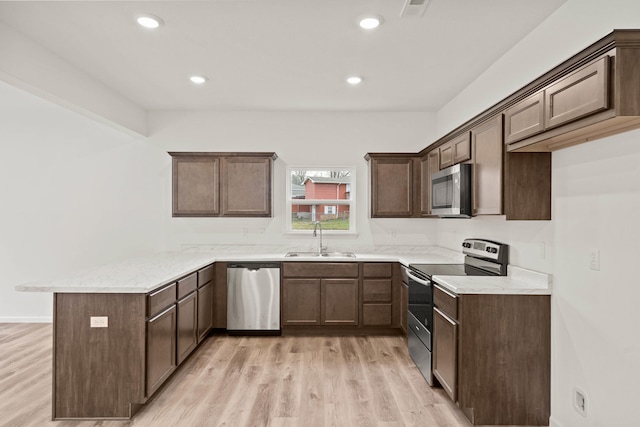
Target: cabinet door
{"x":339,"y":302}
{"x":161,"y":348}
{"x":446,"y":155}
{"x":524,"y":119}
{"x":404,"y":306}
{"x":195,"y":186}
{"x":392,"y":187}
{"x":429,"y":165}
{"x":187,"y":335}
{"x":455,"y":151}
{"x":300,"y":302}
{"x":205,"y":310}
{"x":487,"y":150}
{"x":246,"y":186}
{"x":445,"y":352}
{"x":583,"y":92}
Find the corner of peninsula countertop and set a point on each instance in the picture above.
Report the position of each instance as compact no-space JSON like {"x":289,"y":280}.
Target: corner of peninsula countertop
{"x":518,"y":281}
{"x":146,"y":273}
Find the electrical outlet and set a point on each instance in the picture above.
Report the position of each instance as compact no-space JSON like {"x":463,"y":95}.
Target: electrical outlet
{"x":244,"y":232}
{"x":594,"y":259}
{"x":392,"y":232}
{"x":99,"y":321}
{"x":580,"y":401}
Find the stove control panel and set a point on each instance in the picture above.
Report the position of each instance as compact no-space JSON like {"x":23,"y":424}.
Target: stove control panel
{"x":487,"y":249}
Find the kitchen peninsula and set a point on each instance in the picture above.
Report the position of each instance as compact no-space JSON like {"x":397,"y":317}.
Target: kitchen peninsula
{"x":119,"y":334}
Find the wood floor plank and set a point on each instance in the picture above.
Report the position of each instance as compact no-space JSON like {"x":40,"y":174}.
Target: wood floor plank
{"x":288,"y":381}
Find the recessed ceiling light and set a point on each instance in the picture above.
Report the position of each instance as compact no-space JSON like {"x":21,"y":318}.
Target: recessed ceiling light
{"x":198,"y":79}
{"x":355,"y":80}
{"x":149,"y":21}
{"x":370,"y":22}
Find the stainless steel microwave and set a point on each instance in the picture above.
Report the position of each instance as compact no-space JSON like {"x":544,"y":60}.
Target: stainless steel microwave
{"x":451,"y":192}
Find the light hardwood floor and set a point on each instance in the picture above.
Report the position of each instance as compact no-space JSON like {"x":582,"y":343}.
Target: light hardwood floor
{"x":248,"y":381}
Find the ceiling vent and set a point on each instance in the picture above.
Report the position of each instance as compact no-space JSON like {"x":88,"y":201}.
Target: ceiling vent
{"x":414,"y":8}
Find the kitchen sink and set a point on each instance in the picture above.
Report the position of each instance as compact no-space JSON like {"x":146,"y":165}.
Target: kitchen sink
{"x":322,"y":255}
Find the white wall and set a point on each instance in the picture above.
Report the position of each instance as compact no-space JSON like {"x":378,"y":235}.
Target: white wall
{"x":75,"y":193}
{"x":570,"y":29}
{"x":35,"y":69}
{"x":595,"y":200}
{"x":299,"y":139}
{"x":595,"y":339}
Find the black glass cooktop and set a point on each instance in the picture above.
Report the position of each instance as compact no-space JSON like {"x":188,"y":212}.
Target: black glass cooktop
{"x":429,"y":270}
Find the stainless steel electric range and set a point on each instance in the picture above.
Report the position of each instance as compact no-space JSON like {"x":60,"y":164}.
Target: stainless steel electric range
{"x":483,"y":258}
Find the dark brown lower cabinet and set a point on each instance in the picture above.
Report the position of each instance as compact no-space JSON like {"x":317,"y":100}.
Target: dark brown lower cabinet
{"x":341,"y":295}
{"x":445,"y":352}
{"x":300,"y":302}
{"x":404,"y":306}
{"x":187,"y":329}
{"x":98,"y":372}
{"x":112,"y":352}
{"x":339,"y":302}
{"x":377,"y":314}
{"x":492,"y":355}
{"x":205,"y":310}
{"x":161,"y":348}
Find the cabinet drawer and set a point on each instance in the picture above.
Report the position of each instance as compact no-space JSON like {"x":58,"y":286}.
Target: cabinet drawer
{"x":205,"y":275}
{"x":161,"y":299}
{"x":320,"y":269}
{"x":376,"y":269}
{"x":376,"y":314}
{"x":376,"y":290}
{"x":446,"y":302}
{"x":583,"y":92}
{"x":186,"y":285}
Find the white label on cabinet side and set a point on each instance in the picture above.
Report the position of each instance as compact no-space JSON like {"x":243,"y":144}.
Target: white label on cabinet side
{"x":99,"y":321}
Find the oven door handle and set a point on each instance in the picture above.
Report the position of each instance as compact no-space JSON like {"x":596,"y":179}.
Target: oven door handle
{"x":416,"y":279}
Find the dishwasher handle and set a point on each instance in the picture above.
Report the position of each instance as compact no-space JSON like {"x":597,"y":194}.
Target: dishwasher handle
{"x":253,"y":265}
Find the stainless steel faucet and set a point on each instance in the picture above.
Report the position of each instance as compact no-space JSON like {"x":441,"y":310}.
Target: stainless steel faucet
{"x":317,"y":225}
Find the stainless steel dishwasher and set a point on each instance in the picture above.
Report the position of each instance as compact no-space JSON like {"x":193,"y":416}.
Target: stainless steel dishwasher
{"x":253,"y":298}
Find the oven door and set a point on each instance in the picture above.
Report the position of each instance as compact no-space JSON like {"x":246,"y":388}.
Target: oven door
{"x":421,"y":305}
{"x":417,"y":337}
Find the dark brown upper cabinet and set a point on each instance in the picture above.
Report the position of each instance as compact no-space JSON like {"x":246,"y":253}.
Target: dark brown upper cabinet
{"x":455,"y":151}
{"x":580,"y":94}
{"x":429,"y":164}
{"x":196,"y":185}
{"x":487,"y":155}
{"x":395,"y":182}
{"x":524,"y":119}
{"x":245,"y":187}
{"x":594,"y":94}
{"x":222,"y":184}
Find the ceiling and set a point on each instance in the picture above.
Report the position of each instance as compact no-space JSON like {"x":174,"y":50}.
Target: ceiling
{"x":280,"y":55}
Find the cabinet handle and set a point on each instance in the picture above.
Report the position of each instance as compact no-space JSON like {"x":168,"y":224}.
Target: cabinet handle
{"x":171,"y":307}
{"x":164,"y":288}
{"x":443,"y":314}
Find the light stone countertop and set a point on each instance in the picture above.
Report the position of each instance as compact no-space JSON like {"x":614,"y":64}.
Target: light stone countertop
{"x":518,"y":281}
{"x":147,"y":273}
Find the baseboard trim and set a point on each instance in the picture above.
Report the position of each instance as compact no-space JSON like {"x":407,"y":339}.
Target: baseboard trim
{"x":553,"y":422}
{"x":32,"y":319}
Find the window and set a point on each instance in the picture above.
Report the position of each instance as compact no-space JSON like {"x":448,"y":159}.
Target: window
{"x":326,"y":195}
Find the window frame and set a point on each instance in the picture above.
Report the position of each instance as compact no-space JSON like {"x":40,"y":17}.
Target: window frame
{"x":351,"y":202}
